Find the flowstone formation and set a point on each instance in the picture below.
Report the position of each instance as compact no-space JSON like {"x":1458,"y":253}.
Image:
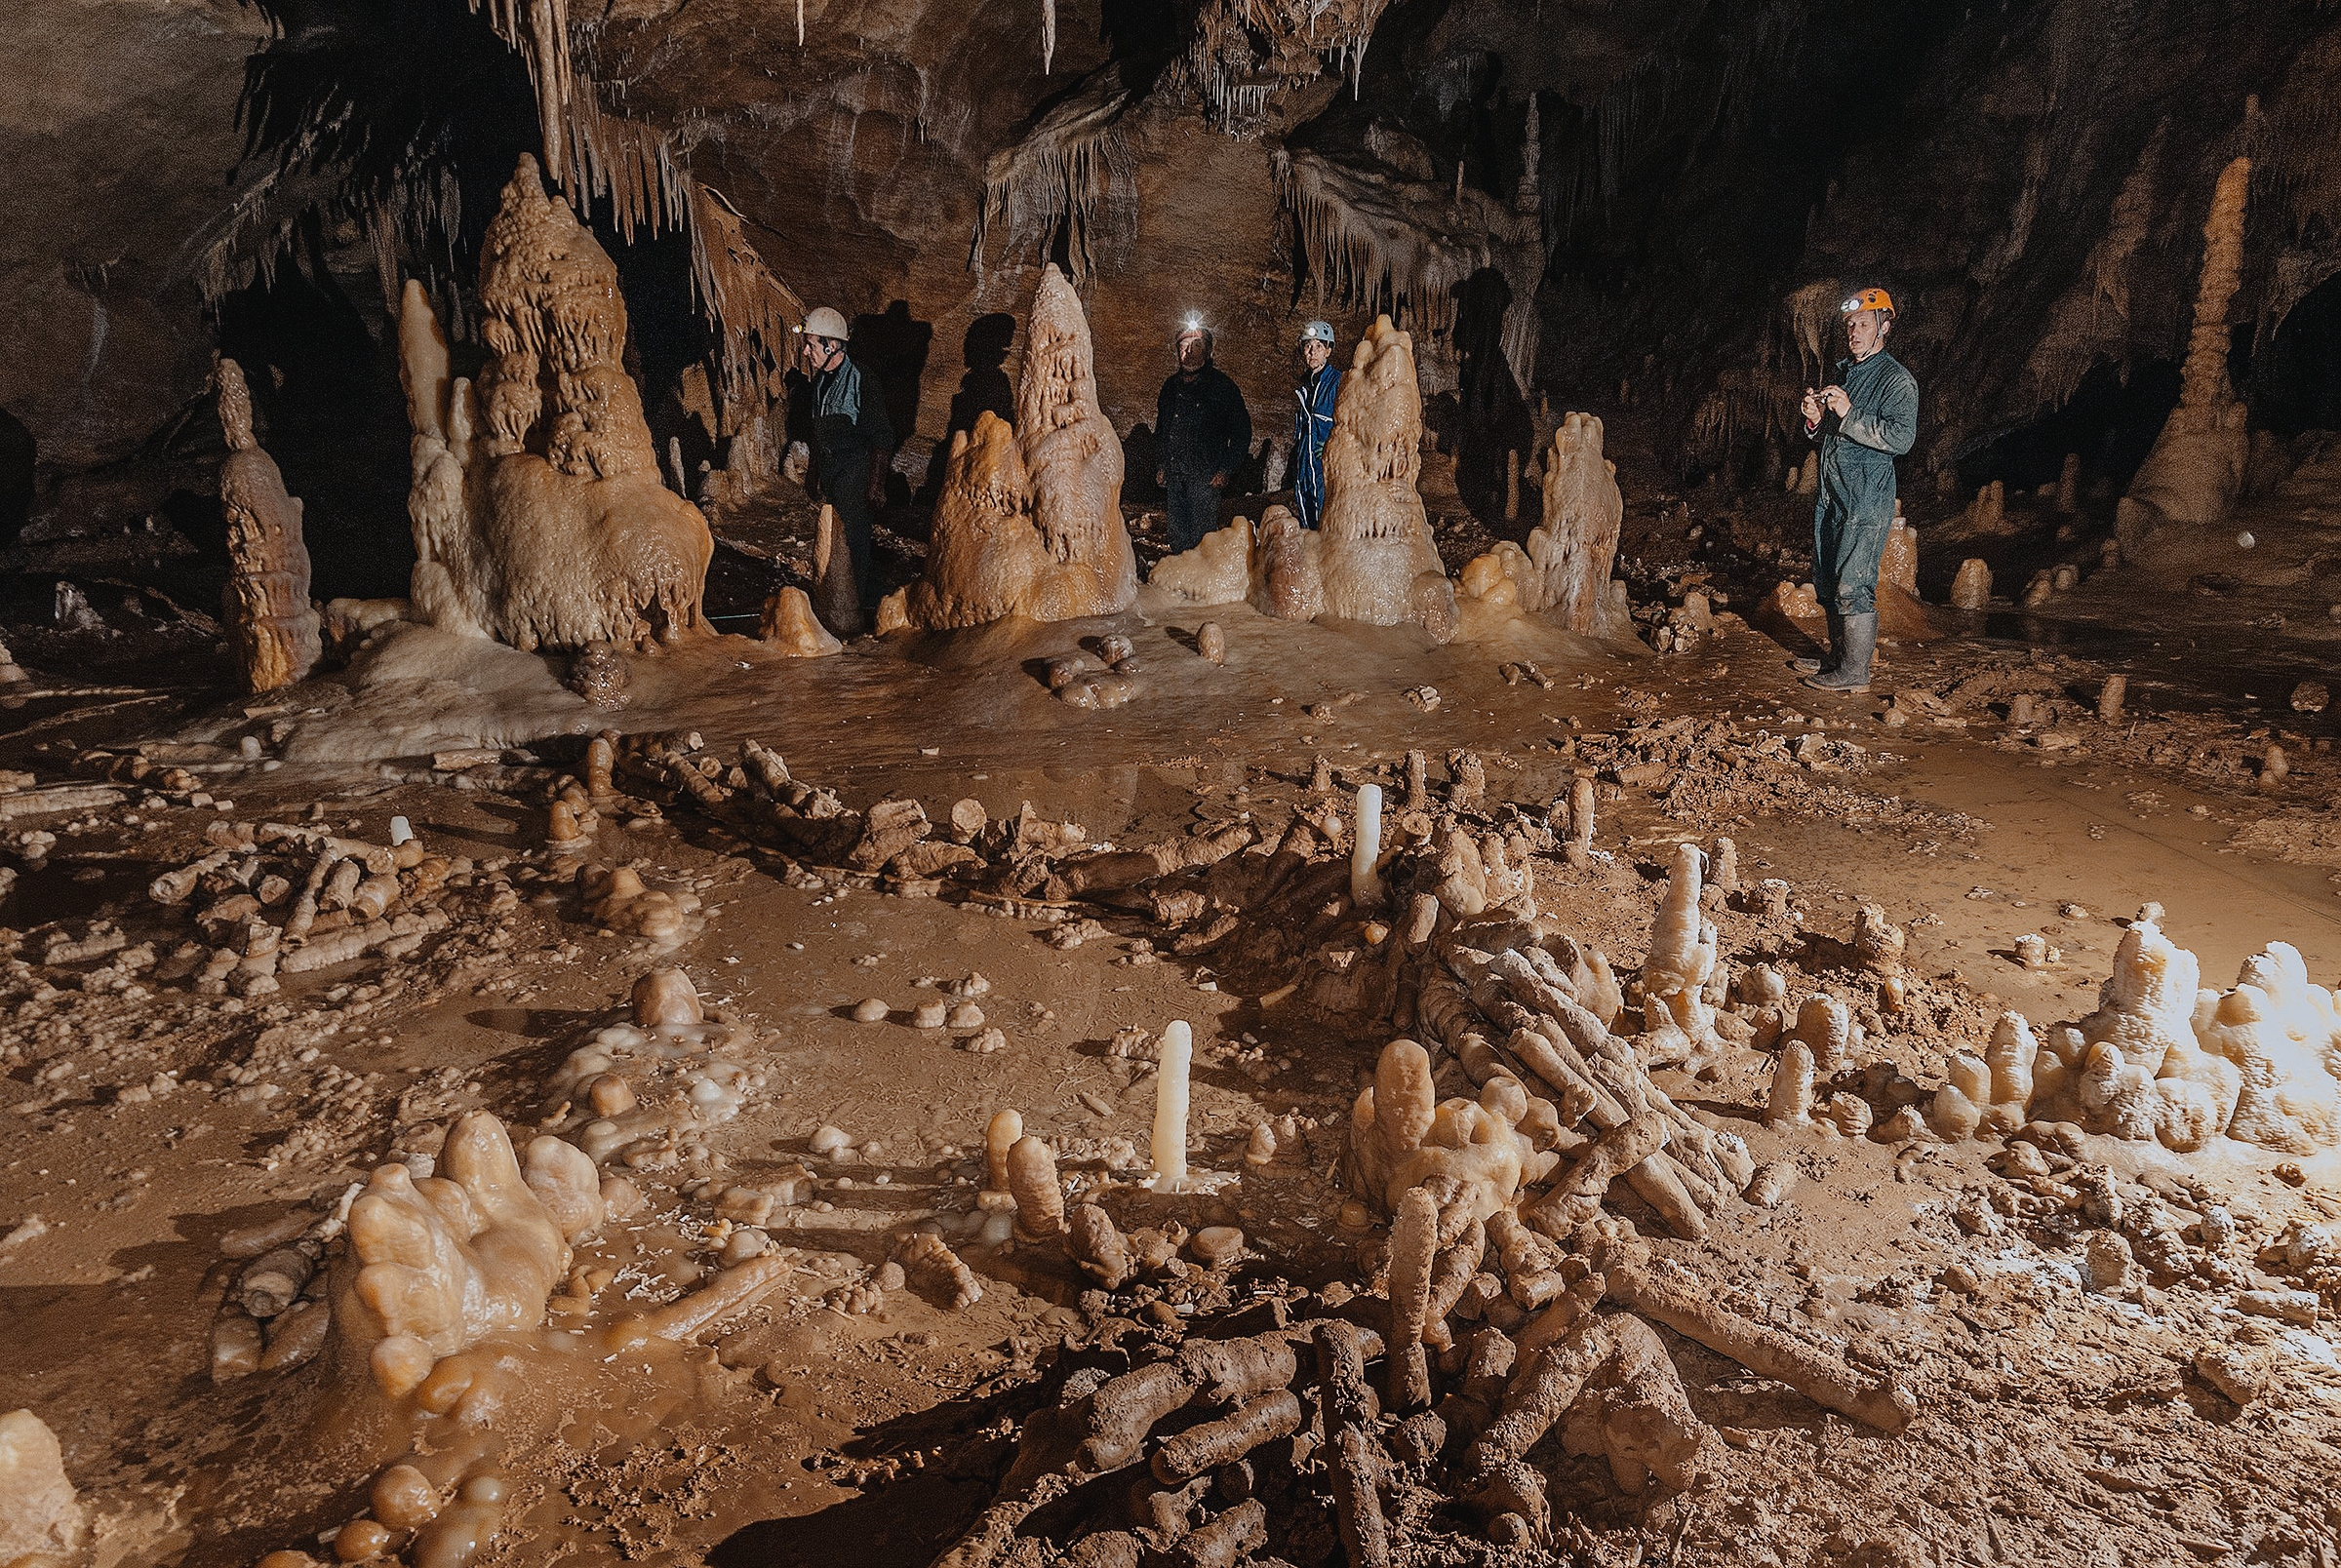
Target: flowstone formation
{"x":435,"y":1265}
{"x":2165,"y":1061}
{"x":540,"y":515}
{"x":1029,"y":522}
{"x":272,"y":623}
{"x":2196,"y":469}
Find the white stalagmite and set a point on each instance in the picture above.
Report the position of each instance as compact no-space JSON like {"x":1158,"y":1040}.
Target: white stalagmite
{"x":1170,"y":1105}
{"x":1364,"y":886}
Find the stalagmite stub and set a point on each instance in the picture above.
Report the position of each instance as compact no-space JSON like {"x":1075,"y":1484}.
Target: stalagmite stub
{"x":273,"y":625}
{"x":540,"y":515}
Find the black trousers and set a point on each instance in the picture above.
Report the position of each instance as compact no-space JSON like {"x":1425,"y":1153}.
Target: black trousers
{"x":1194,"y":510}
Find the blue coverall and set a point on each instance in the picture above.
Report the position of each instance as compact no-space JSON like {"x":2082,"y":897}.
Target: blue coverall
{"x":1856,"y":509}
{"x":1312,"y":426}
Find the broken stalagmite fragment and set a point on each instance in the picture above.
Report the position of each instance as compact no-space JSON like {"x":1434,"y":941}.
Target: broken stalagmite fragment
{"x":1169,"y":1142}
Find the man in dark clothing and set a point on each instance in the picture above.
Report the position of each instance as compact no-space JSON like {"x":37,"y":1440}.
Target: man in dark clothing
{"x":851,"y":439}
{"x":1864,"y":421}
{"x":1202,"y":432}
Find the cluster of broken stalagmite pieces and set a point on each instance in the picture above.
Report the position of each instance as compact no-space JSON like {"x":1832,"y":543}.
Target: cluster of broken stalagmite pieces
{"x":2162,"y":1059}
{"x":429,"y":1282}
{"x":273,"y":898}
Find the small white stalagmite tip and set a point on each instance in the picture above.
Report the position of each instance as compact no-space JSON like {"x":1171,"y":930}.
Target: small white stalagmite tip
{"x":1364,"y":886}
{"x":1170,"y":1105}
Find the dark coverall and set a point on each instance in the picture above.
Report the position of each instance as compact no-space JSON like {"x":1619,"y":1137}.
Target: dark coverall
{"x":1312,"y":426}
{"x":1856,"y":509}
{"x":1200,"y":428}
{"x":850,"y":432}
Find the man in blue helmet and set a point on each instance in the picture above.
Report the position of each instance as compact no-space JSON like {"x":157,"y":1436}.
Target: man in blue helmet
{"x":1203,"y":432}
{"x":1319,"y":386}
{"x":1864,"y":420}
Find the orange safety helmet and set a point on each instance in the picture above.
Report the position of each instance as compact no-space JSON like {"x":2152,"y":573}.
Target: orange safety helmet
{"x":1868,"y":300}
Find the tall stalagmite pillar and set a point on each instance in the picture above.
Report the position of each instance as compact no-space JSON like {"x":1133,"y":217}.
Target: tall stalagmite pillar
{"x":2196,"y":469}
{"x":273,"y":625}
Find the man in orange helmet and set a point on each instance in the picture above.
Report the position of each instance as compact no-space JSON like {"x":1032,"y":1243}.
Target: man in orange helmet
{"x":1863,"y":420}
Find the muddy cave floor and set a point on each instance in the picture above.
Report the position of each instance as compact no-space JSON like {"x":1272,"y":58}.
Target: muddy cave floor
{"x":2056,"y":1426}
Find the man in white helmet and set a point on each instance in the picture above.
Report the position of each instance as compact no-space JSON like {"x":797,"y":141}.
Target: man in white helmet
{"x":1320,"y":386}
{"x":851,"y":438}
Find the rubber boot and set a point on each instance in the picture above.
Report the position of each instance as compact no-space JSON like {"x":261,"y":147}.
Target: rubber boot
{"x":1852,"y":672}
{"x":1828,"y":660}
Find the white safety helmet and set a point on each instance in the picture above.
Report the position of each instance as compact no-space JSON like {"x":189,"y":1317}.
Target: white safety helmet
{"x":1318,"y":332}
{"x":827,"y":323}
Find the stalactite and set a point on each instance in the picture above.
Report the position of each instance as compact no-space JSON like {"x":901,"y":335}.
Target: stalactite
{"x":1366,"y":245}
{"x":1047,"y":35}
{"x":752,"y":311}
{"x":1072,"y":169}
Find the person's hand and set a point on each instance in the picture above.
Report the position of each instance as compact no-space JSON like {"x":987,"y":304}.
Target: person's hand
{"x":1219,"y":482}
{"x":1813,"y":407}
{"x":1839,"y":404}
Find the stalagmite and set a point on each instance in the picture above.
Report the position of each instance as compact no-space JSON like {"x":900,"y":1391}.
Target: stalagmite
{"x":540,"y":516}
{"x":1572,"y":550}
{"x":1971,"y":589}
{"x":2068,"y":484}
{"x":1029,"y":520}
{"x":1170,"y":1140}
{"x":2110,"y":697}
{"x":415,"y":1286}
{"x":2196,"y":469}
{"x":1366,"y":849}
{"x":1791,"y":1101}
{"x":1511,"y":486}
{"x":790,"y":625}
{"x":839,"y":602}
{"x":274,"y":626}
{"x":1375,"y":560}
{"x":1040,"y":1200}
{"x":1094,"y":1242}
{"x":999,"y":1137}
{"x":1679,"y":1019}
{"x":1579,"y":849}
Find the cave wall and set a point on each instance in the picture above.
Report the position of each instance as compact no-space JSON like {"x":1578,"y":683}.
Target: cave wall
{"x":118,"y":136}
